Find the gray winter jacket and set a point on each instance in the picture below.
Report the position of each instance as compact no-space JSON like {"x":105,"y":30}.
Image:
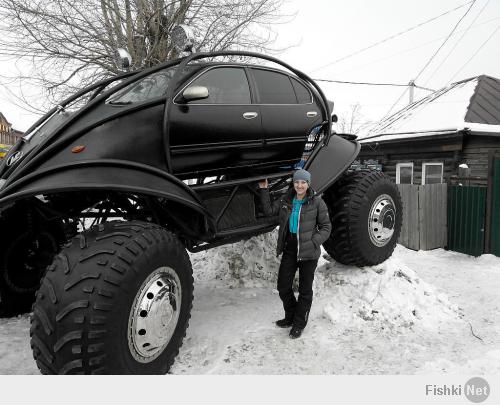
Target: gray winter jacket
{"x":314,"y":223}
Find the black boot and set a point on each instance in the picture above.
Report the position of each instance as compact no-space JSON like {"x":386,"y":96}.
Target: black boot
{"x":284,"y":323}
{"x":287,"y":321}
{"x":295,"y":332}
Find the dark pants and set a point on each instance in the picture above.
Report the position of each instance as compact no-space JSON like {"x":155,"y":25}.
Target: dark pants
{"x":296,"y":310}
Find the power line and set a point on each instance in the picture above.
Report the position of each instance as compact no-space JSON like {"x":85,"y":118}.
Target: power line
{"x":456,"y":43}
{"x":370,"y":83}
{"x":391,"y":37}
{"x":444,"y":42}
{"x":429,"y":61}
{"x":475,"y":53}
{"x":412,"y":49}
{"x":394,"y":105}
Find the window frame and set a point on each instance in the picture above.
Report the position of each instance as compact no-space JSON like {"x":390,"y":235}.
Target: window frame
{"x":120,"y":93}
{"x":177,"y":98}
{"x":425,"y":164}
{"x":301,"y":82}
{"x":398,"y":172}
{"x":254,"y":80}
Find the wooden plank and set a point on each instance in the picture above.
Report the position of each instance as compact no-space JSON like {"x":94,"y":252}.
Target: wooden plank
{"x":413,"y":221}
{"x":432,"y":216}
{"x":403,"y":236}
{"x":409,"y":228}
{"x":421,"y":217}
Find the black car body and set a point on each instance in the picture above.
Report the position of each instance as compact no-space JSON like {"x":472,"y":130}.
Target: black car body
{"x":137,"y":135}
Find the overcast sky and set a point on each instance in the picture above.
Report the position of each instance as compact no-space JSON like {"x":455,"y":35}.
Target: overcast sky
{"x":324,"y":31}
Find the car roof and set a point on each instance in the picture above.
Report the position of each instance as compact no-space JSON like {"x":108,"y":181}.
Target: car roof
{"x":203,"y":65}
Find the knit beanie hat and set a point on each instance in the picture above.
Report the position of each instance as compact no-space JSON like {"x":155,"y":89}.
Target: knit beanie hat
{"x":302,"y":175}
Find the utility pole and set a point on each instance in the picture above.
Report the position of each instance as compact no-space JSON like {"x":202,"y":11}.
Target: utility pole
{"x":411,"y":84}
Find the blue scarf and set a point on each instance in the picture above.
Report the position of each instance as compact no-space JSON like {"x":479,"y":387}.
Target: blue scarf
{"x":293,"y":222}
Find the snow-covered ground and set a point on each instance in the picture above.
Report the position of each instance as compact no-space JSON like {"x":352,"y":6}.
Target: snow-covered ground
{"x":416,"y":313}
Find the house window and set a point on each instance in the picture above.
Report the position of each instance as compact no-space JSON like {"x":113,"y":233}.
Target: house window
{"x":432,"y":173}
{"x":404,"y":173}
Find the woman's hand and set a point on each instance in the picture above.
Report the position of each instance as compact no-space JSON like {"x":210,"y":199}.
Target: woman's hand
{"x":263,"y":184}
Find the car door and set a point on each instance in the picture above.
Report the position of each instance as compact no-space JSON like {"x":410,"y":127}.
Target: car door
{"x":219,"y":132}
{"x":288,"y":114}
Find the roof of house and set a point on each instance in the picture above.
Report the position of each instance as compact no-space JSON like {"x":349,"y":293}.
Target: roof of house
{"x":469,"y":104}
{"x":2,"y":118}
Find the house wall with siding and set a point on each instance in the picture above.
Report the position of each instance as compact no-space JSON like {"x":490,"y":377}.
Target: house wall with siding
{"x":413,"y":155}
{"x":417,"y":160}
{"x":474,"y":151}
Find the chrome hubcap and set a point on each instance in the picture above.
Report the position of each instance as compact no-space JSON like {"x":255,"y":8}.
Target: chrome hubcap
{"x":382,"y":220}
{"x":154,"y":314}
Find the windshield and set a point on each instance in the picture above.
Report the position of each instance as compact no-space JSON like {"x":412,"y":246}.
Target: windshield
{"x":149,"y":87}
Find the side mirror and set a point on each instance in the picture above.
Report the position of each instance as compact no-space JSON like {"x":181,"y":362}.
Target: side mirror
{"x":335,"y":118}
{"x":123,"y":60}
{"x":195,"y":93}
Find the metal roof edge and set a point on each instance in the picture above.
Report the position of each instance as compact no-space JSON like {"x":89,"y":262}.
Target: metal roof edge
{"x":430,"y":132}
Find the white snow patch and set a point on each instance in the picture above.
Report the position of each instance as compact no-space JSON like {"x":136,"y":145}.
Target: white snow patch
{"x":390,"y":294}
{"x":489,"y":363}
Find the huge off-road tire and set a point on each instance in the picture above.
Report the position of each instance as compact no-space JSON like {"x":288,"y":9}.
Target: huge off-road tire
{"x":27,"y":247}
{"x":366,"y":213}
{"x":117,"y":300}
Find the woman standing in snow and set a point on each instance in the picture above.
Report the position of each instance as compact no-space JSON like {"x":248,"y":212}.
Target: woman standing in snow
{"x":303,"y":226}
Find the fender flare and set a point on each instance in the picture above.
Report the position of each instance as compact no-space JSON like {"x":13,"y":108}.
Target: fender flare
{"x":105,"y":175}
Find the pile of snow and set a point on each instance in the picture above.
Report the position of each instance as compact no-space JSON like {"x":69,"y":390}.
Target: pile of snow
{"x":249,"y":263}
{"x":390,"y":295}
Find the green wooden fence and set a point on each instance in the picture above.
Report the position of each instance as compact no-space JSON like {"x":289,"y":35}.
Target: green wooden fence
{"x":495,"y":210}
{"x":466,"y":216}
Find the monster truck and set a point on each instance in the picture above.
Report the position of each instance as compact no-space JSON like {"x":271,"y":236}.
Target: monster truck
{"x":101,"y":198}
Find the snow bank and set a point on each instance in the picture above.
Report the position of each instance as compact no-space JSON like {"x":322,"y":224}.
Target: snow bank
{"x":249,"y":263}
{"x":390,"y":295}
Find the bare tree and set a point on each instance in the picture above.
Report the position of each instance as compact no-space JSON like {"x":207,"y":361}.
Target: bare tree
{"x":71,"y":43}
{"x":352,"y":122}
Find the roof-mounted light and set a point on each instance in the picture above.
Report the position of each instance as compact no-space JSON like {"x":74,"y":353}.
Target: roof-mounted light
{"x":183,"y":38}
{"x":123,"y":60}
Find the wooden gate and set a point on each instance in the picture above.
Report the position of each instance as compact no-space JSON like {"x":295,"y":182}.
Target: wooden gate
{"x":424,"y":216}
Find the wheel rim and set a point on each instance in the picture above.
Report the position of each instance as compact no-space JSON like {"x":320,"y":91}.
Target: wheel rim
{"x":154,"y":314}
{"x":382,"y":220}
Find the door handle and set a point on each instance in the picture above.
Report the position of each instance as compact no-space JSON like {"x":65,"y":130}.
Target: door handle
{"x":312,"y":114}
{"x":250,"y":115}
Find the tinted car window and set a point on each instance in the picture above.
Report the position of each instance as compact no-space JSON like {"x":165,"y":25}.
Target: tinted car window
{"x":274,"y":88}
{"x":301,"y":91}
{"x":225,"y":86}
{"x":149,"y":87}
